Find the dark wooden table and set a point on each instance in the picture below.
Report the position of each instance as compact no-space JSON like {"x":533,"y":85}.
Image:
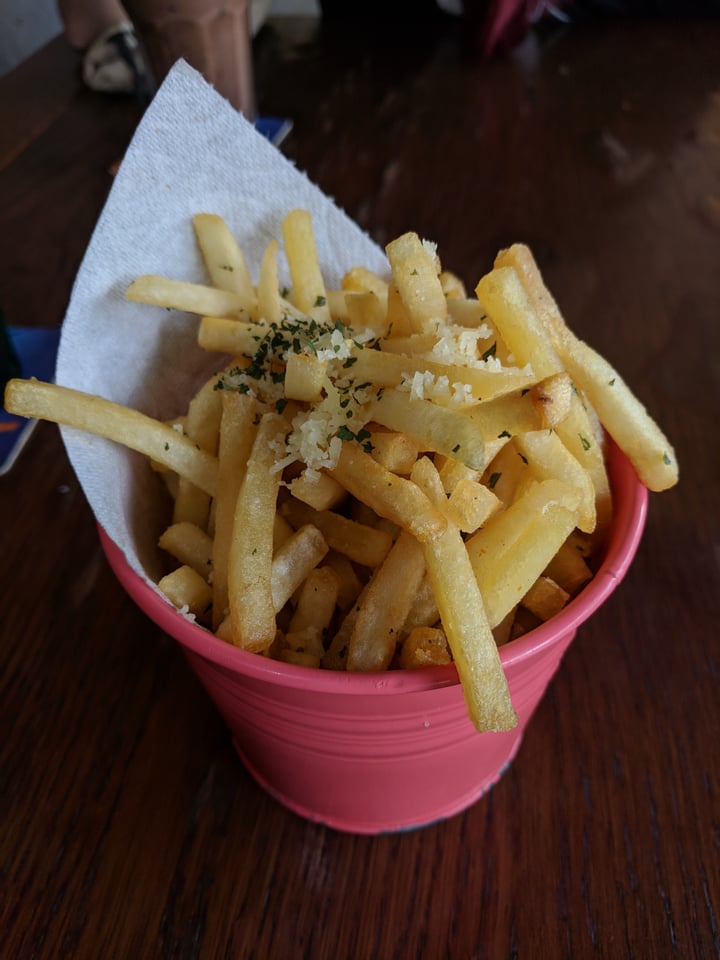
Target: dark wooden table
{"x":128,"y":828}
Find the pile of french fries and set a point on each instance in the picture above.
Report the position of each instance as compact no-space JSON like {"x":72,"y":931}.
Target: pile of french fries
{"x":390,"y":474}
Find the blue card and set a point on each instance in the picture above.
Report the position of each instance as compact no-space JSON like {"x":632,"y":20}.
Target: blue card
{"x":275,"y":129}
{"x":27,"y":352}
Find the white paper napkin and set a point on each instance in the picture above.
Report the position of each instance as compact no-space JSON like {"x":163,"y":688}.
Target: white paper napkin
{"x":191,"y":153}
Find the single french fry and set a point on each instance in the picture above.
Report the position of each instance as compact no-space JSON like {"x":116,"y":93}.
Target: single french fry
{"x":305,"y":377}
{"x":509,"y":578}
{"x":552,"y":398}
{"x":223,"y":257}
{"x":319,"y":491}
{"x":337,"y":306}
{"x":170,"y":480}
{"x":189,"y":545}
{"x":223,"y":631}
{"x":470,"y":504}
{"x":424,"y":647}
{"x":388,"y":368}
{"x":250,"y":560}
{"x":202,"y":426}
{"x":293,"y":561}
{"x":361,"y":544}
{"x":569,"y":567}
{"x":349,"y":583}
{"x":583,"y":543}
{"x":517,"y":321}
{"x":417,"y":281}
{"x":335,"y":657}
{"x":237,"y":434}
{"x":366,"y":311}
{"x":462,"y":612}
{"x":545,"y":598}
{"x":397,"y":320}
{"x":226,"y":335}
{"x":282,"y":531}
{"x":413,"y":346}
{"x":424,"y":611}
{"x":189,"y":297}
{"x":523,"y":622}
{"x":36,"y":399}
{"x":362,"y":280}
{"x":430,"y":426}
{"x":385,"y":606}
{"x":452,"y":285}
{"x":299,"y":657}
{"x":622,"y":414}
{"x":316,"y":602}
{"x":307,"y":642}
{"x":578,"y":434}
{"x":187,"y":590}
{"x":519,"y":257}
{"x":394,"y":450}
{"x":269,"y":304}
{"x":452,"y":471}
{"x":502,"y":632}
{"x":308,"y":286}
{"x":361,"y":513}
{"x":390,"y":496}
{"x":469,"y":312}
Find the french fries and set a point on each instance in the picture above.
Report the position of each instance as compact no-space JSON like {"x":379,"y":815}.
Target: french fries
{"x":619,"y":410}
{"x":388,"y":475}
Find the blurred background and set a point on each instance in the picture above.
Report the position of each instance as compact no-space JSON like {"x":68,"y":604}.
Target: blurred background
{"x":25,"y":27}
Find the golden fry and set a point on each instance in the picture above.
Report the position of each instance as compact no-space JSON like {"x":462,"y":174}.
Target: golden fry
{"x":388,"y":495}
{"x":308,"y":287}
{"x":190,"y":297}
{"x":250,"y":595}
{"x":237,"y":434}
{"x":73,"y":408}
{"x":462,"y":612}
{"x":385,"y":605}
{"x":418,"y":283}
{"x":361,"y":544}
{"x":190,"y":545}
{"x":223,"y":257}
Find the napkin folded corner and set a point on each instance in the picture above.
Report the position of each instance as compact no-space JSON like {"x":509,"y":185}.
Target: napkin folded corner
{"x":191,"y":152}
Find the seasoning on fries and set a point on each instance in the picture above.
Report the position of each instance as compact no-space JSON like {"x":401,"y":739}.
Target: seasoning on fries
{"x":388,"y":475}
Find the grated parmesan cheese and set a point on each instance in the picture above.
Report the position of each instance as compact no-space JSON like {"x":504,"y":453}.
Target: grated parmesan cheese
{"x":424,"y":385}
{"x":317,"y":433}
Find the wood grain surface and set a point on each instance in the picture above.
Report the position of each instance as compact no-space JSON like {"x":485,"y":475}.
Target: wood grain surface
{"x":128,"y":827}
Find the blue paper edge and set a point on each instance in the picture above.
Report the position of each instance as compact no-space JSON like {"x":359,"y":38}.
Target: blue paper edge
{"x":36,"y":349}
